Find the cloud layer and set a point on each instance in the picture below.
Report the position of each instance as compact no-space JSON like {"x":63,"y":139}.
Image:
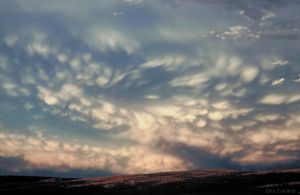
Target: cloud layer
{"x":133,"y":86}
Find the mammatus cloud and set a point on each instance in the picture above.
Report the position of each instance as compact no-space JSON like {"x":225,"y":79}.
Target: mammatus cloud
{"x":277,"y":99}
{"x":41,"y":152}
{"x":139,"y":86}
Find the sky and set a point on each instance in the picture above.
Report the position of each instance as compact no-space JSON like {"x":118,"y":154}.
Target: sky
{"x":91,"y":88}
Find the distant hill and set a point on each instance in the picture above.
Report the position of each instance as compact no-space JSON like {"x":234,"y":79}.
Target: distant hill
{"x":210,"y":182}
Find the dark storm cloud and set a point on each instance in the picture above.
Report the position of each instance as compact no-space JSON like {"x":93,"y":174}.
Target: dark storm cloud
{"x":12,"y":164}
{"x":199,"y":157}
{"x":203,"y":158}
{"x":288,"y":164}
{"x":18,"y":166}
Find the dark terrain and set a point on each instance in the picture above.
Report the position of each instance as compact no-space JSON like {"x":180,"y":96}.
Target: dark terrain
{"x":187,"y":182}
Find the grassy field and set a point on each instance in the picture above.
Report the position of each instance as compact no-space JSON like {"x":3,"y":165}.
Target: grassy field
{"x":188,"y":182}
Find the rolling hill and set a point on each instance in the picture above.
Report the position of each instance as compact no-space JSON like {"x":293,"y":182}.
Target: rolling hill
{"x":210,"y":182}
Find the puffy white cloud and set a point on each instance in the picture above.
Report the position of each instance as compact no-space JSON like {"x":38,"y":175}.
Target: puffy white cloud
{"x":96,"y":74}
{"x":238,"y":126}
{"x":249,"y":74}
{"x":194,"y":80}
{"x":264,"y":136}
{"x":215,"y":116}
{"x":152,"y":97}
{"x":201,"y":123}
{"x":13,"y":89}
{"x":226,"y":65}
{"x":47,"y":96}
{"x":221,"y":105}
{"x":280,"y":62}
{"x":8,"y":86}
{"x":38,"y":48}
{"x":278,"y":81}
{"x":102,"y":81}
{"x":273,"y":62}
{"x":237,"y":112}
{"x":169,"y":62}
{"x":221,"y":86}
{"x":273,"y":99}
{"x":297,"y":80}
{"x":267,"y":117}
{"x":277,"y":99}
{"x":62,"y":58}
{"x":268,"y":15}
{"x":238,"y":32}
{"x":293,"y":119}
{"x":75,"y":64}
{"x":260,"y":156}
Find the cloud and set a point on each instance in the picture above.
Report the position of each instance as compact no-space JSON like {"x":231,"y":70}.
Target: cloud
{"x":152,"y":97}
{"x":53,"y":154}
{"x":238,"y":32}
{"x":62,"y":58}
{"x":106,"y":40}
{"x":281,"y":63}
{"x":215,"y":116}
{"x":267,"y":117}
{"x":28,"y":106}
{"x":221,"y":105}
{"x":249,"y":74}
{"x":38,"y":48}
{"x":18,"y":166}
{"x":47,"y":96}
{"x":194,"y":80}
{"x":133,"y":1}
{"x":268,"y":16}
{"x":12,"y":89}
{"x":118,"y":13}
{"x":297,"y":80}
{"x":11,"y":40}
{"x":170,"y":62}
{"x":277,"y":99}
{"x":272,"y":63}
{"x":273,"y":99}
{"x":198,"y":157}
{"x":12,"y":164}
{"x":119,"y":86}
{"x":278,"y":81}
{"x":272,"y":136}
{"x":201,"y":123}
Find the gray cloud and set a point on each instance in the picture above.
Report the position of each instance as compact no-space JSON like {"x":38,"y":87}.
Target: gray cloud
{"x":199,"y":157}
{"x":254,"y":9}
{"x":18,"y":166}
